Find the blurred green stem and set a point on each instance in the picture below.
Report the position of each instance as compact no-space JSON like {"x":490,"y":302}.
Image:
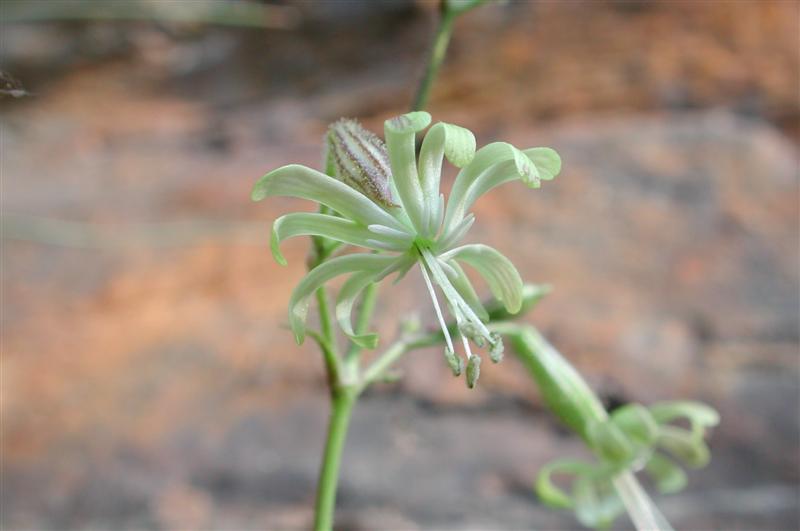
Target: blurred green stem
{"x":444,"y":31}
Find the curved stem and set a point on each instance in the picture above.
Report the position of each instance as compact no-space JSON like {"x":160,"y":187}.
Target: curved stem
{"x":444,"y":31}
{"x":342,"y":403}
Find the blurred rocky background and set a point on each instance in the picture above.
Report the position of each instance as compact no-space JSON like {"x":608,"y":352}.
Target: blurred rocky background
{"x":148,"y":379}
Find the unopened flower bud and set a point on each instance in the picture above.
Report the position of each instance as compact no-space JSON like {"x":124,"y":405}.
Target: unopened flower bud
{"x":360,"y":160}
{"x":473,"y":370}
{"x":456,"y":363}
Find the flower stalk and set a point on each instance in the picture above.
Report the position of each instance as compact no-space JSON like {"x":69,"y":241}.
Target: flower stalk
{"x":384,"y":198}
{"x":444,"y":31}
{"x":342,"y":401}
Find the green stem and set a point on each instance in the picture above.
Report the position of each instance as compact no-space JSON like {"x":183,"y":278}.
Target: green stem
{"x":378,"y":368}
{"x":327,"y":337}
{"x":325,"y":322}
{"x":444,"y":31}
{"x":342,"y":402}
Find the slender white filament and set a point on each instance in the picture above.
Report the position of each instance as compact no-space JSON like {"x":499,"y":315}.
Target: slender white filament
{"x":462,"y":310}
{"x":466,"y":347}
{"x":436,"y":307}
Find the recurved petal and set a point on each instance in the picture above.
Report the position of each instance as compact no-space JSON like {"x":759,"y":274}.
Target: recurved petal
{"x":667,"y":476}
{"x":549,"y":492}
{"x":299,"y":181}
{"x":497,"y":270}
{"x":317,"y":277}
{"x":495,"y":164}
{"x":546,"y":160}
{"x":334,"y":228}
{"x":485,"y":158}
{"x":442,"y":140}
{"x":400,"y":135}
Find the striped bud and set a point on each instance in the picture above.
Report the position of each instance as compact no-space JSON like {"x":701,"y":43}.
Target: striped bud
{"x":359,"y":159}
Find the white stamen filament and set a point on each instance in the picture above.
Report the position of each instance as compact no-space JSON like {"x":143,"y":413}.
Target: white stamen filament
{"x":461,"y":310}
{"x":439,"y":315}
{"x":466,"y":347}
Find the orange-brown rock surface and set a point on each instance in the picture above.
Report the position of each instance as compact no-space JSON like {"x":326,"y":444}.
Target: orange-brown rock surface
{"x":148,"y":380}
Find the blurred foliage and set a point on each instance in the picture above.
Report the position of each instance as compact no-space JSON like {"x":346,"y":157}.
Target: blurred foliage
{"x":229,"y":13}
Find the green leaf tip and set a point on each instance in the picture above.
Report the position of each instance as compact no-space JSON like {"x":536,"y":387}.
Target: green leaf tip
{"x":368,"y":341}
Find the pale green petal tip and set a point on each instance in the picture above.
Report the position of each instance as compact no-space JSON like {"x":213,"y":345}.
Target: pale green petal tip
{"x":513,"y":304}
{"x":259,"y":189}
{"x":460,"y":145}
{"x":275,"y":246}
{"x":411,"y":122}
{"x":525,"y":167}
{"x":547,"y":161}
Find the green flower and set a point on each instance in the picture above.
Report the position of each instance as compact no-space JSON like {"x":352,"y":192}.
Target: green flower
{"x":633,"y":438}
{"x":386,"y":200}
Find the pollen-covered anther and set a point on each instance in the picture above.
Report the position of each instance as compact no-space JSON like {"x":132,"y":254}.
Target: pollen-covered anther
{"x":473,"y":370}
{"x":496,"y":348}
{"x":455,"y":362}
{"x":359,"y":159}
